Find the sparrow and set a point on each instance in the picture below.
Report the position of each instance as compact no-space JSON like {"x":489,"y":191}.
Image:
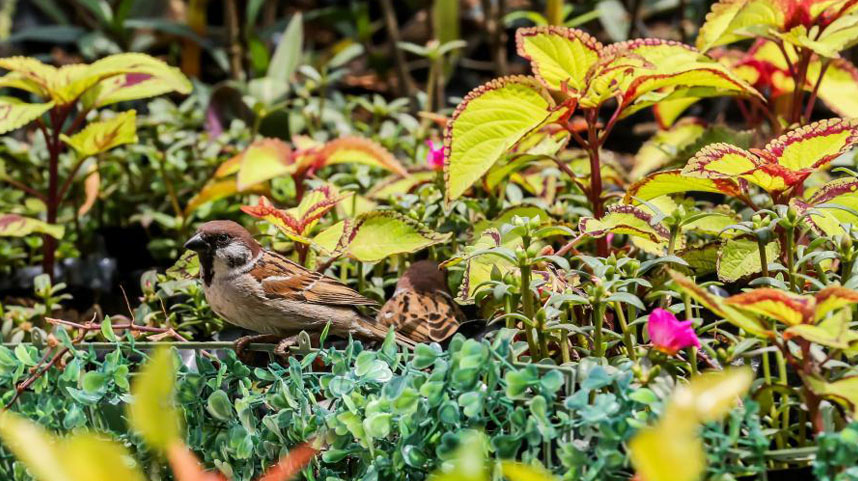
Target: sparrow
{"x":263,"y":291}
{"x":422,"y":307}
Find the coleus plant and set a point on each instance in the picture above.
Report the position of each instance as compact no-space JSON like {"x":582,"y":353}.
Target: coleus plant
{"x":268,"y":158}
{"x":798,"y":325}
{"x":574,"y":73}
{"x":367,"y":237}
{"x":68,"y":95}
{"x":809,"y":34}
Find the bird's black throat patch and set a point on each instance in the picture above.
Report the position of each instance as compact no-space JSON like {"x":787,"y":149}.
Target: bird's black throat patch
{"x":206,"y":266}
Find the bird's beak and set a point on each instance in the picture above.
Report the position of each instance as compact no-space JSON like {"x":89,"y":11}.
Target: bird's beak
{"x":196,"y":243}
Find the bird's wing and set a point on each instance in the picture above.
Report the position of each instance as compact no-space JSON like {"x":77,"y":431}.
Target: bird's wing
{"x":422,"y":316}
{"x":282,"y":278}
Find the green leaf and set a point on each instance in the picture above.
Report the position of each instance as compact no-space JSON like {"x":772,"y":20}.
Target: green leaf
{"x":152,"y":413}
{"x":733,"y":20}
{"x":379,"y":234}
{"x":664,"y":146}
{"x":219,"y":406}
{"x":14,"y":225}
{"x":740,"y":258}
{"x":14,"y":113}
{"x":833,"y":332}
{"x":102,"y":136}
{"x":560,"y":57}
{"x":673,"y":182}
{"x":489,"y":121}
{"x":844,"y":390}
{"x":287,"y":55}
{"x":625,"y":219}
{"x":718,"y":306}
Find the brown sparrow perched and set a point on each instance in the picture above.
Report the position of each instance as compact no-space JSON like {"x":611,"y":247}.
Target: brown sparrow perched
{"x":263,"y":291}
{"x":422,"y":307}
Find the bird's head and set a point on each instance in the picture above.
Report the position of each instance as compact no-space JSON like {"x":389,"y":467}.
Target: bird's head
{"x":222,"y":244}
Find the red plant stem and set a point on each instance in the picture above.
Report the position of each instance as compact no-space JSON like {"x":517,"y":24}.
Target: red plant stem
{"x":26,"y":188}
{"x":808,"y":110}
{"x":596,"y":177}
{"x":798,"y":92}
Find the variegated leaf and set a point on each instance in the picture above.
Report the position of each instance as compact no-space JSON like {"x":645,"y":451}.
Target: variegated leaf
{"x":104,"y":135}
{"x":786,"y":307}
{"x":718,"y":306}
{"x":490,"y":120}
{"x":14,"y":113}
{"x":14,"y":225}
{"x":356,"y":150}
{"x":625,"y":219}
{"x":560,"y":57}
{"x":673,"y":182}
{"x":833,"y":298}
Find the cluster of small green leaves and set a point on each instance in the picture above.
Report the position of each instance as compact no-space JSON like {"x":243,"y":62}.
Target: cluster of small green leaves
{"x":837,"y":458}
{"x":384,"y":414}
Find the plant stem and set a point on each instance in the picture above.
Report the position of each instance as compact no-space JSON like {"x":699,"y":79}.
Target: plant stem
{"x":527,"y":305}
{"x":554,"y":12}
{"x":790,"y":256}
{"x":763,"y":261}
{"x":406,"y":82}
{"x":627,"y":335}
{"x":593,"y":145}
{"x":236,"y":65}
{"x":598,"y":322}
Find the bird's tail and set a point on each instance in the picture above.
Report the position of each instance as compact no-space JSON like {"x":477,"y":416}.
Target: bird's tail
{"x":379,"y":332}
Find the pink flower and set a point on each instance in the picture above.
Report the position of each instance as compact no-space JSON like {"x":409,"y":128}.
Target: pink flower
{"x":668,"y":334}
{"x":435,"y":157}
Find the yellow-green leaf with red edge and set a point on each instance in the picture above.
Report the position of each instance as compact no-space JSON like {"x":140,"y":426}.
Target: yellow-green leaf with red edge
{"x":14,"y":225}
{"x":29,"y":74}
{"x":396,"y":186}
{"x":833,"y":298}
{"x":844,"y":390}
{"x":839,"y":199}
{"x":216,"y":189}
{"x":833,"y":332}
{"x":663,"y":147}
{"x":625,"y":219}
{"x":739,"y":258}
{"x":733,"y":20}
{"x":152,"y":412}
{"x":331,"y":239}
{"x":298,"y":222}
{"x":718,"y":306}
{"x":814,"y":145}
{"x":839,"y":35}
{"x":263,"y":160}
{"x":667,"y":111}
{"x":104,"y":135}
{"x":561,"y":57}
{"x":132,"y":66}
{"x":356,"y":150}
{"x":379,"y":234}
{"x":674,"y":181}
{"x":15,"y":113}
{"x":491,"y":120}
{"x":786,"y":307}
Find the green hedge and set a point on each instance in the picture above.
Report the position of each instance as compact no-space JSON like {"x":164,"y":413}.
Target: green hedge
{"x":386,"y":416}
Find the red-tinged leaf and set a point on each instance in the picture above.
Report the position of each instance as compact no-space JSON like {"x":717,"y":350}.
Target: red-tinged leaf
{"x":91,"y":187}
{"x":297,"y":222}
{"x":833,"y":298}
{"x":786,"y":307}
{"x":718,"y":306}
{"x":815,"y":145}
{"x":844,"y":390}
{"x":832,"y":332}
{"x":831,"y":206}
{"x":561,"y":57}
{"x":290,"y":464}
{"x":674,"y":181}
{"x":216,"y":189}
{"x":186,"y":466}
{"x":263,"y":160}
{"x":625,"y":219}
{"x":733,"y":20}
{"x":356,"y":150}
{"x":14,"y":225}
